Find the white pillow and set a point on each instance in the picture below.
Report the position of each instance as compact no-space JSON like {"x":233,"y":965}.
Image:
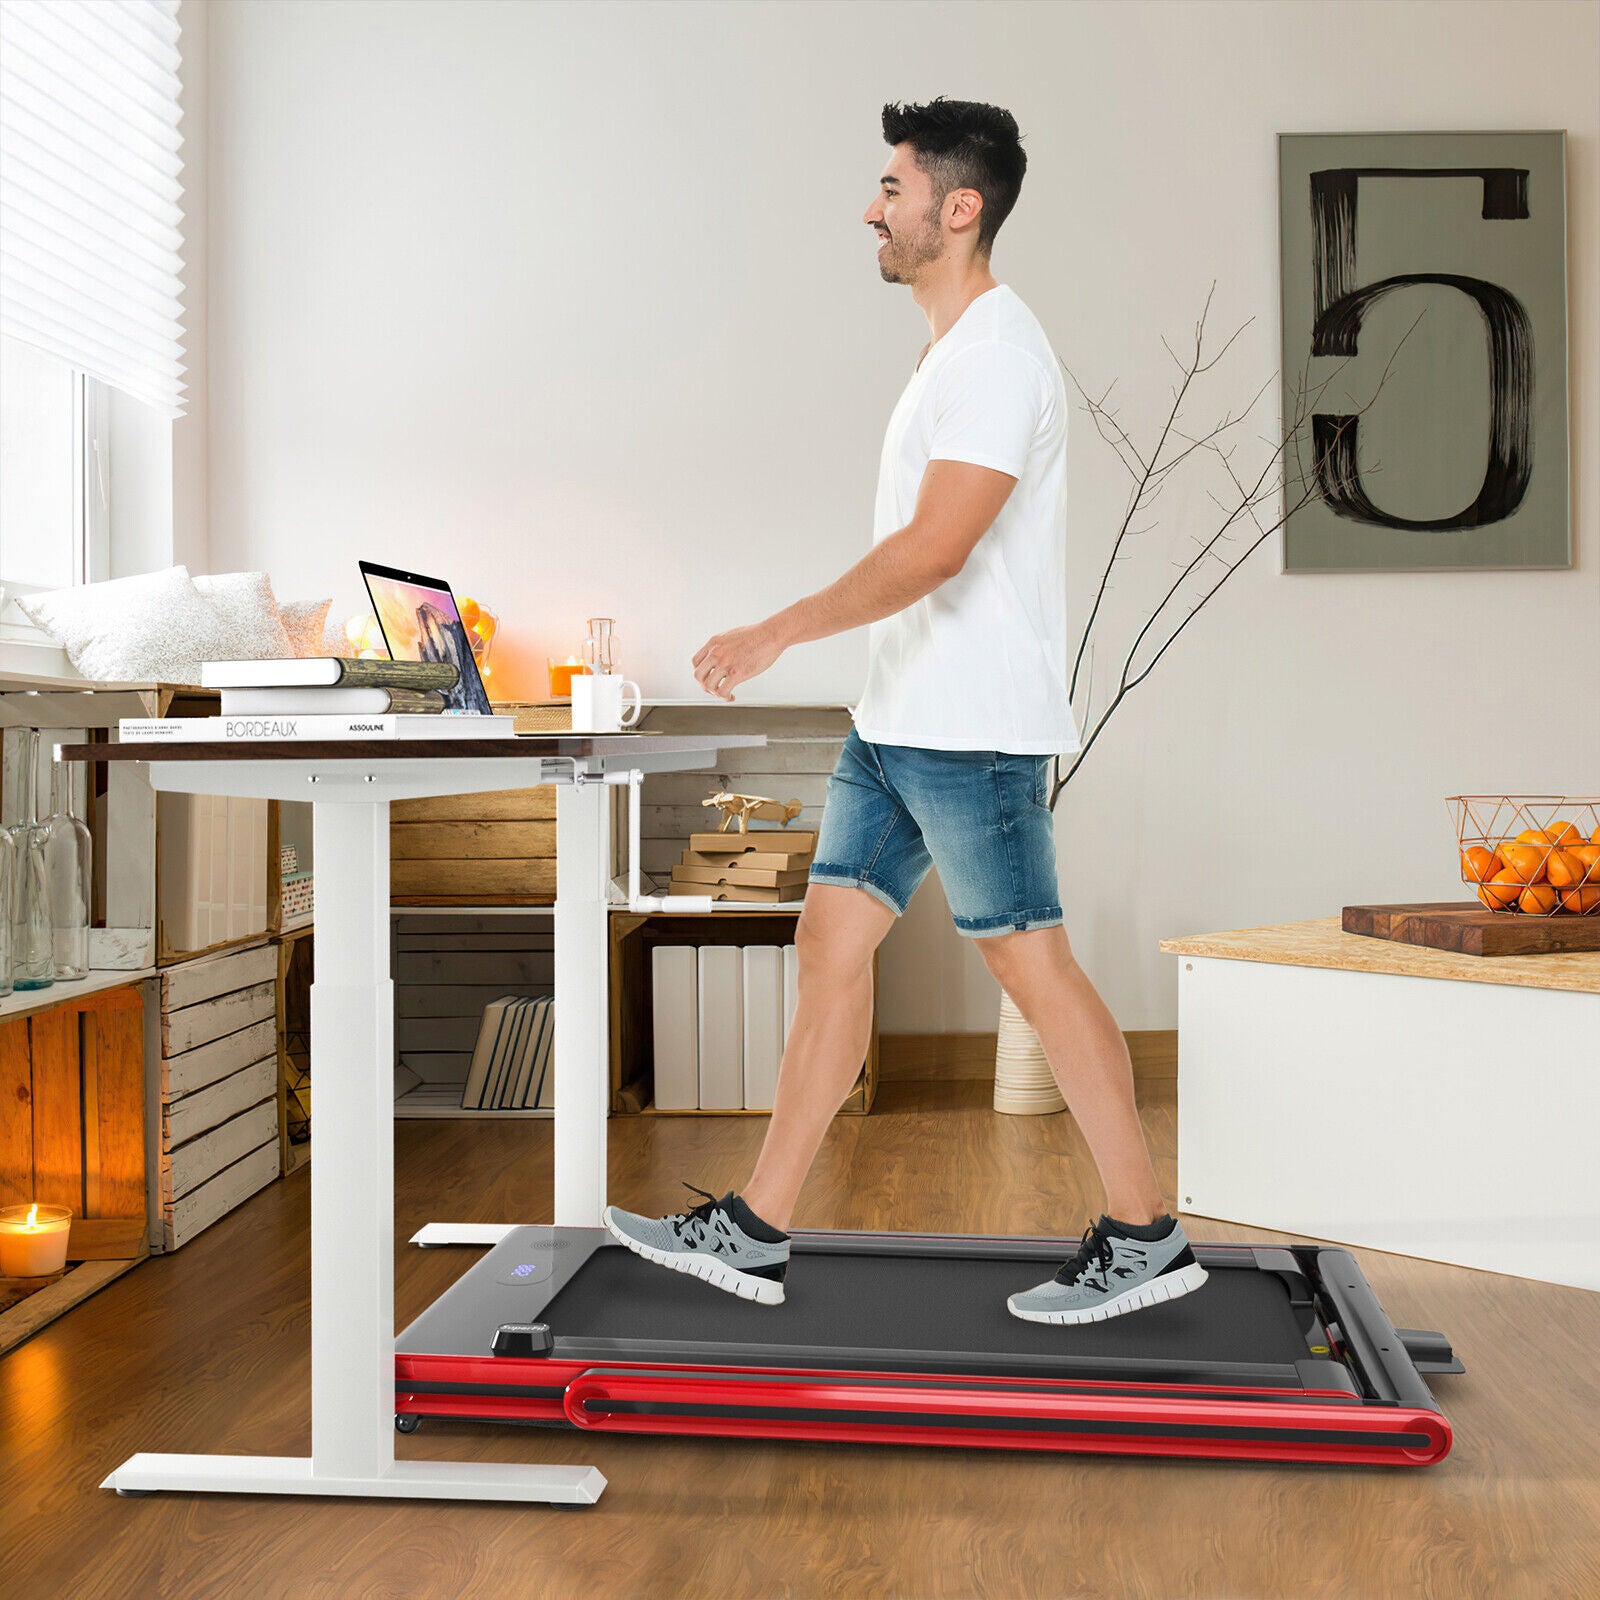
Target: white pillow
{"x":252,"y":628}
{"x":335,"y":641}
{"x":154,"y":626}
{"x":304,"y":621}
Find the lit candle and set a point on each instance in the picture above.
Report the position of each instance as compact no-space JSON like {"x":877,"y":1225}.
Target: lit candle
{"x":563,"y":672}
{"x":33,"y":1240}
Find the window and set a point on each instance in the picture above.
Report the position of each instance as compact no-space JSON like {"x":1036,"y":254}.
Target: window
{"x":52,"y":475}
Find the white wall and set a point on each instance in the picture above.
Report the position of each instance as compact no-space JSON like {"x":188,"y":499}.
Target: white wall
{"x":573,"y":302}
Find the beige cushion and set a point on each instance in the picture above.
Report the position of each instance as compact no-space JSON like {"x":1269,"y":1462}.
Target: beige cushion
{"x":252,"y":628}
{"x":154,"y":626}
{"x":304,"y":621}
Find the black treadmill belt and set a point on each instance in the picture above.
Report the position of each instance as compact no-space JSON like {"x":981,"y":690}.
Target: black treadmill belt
{"x":890,"y":1302}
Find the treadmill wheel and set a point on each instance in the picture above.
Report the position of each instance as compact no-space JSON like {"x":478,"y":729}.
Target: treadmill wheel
{"x":404,"y":1423}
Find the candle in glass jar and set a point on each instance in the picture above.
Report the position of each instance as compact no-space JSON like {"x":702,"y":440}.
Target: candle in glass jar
{"x":563,"y":672}
{"x":33,"y":1240}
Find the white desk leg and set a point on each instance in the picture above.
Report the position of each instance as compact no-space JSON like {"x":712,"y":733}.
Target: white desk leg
{"x":583,"y":879}
{"x":352,"y":1222}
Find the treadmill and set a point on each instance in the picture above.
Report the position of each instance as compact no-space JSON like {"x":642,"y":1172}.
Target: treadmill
{"x":1284,"y":1354}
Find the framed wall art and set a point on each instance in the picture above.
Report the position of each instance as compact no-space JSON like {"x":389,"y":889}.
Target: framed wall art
{"x":1424,"y":350}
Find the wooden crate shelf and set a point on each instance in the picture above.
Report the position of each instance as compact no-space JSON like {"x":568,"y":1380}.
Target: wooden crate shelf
{"x":474,"y":849}
{"x":219,"y":1057}
{"x":72,"y":1133}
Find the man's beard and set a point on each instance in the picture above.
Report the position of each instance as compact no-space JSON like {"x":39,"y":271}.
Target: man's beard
{"x":903,"y":259}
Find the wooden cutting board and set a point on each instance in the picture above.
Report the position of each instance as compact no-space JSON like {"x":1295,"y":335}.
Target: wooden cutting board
{"x":1466,"y":927}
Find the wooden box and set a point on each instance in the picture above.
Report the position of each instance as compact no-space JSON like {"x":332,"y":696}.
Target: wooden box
{"x":475,"y":849}
{"x":219,"y":1087}
{"x":72,"y":1117}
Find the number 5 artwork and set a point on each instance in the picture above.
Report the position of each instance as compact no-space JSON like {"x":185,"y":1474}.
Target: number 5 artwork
{"x":1424,"y":350}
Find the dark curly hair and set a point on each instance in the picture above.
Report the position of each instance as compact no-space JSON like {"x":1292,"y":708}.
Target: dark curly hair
{"x":964,"y":144}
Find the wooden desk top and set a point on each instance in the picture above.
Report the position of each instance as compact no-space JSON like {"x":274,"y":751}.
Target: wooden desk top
{"x":526,"y":746}
{"x":1323,"y":943}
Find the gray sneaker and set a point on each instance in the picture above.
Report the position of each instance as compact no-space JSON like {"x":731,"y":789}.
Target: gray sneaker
{"x":1111,"y":1275}
{"x":722,"y":1242}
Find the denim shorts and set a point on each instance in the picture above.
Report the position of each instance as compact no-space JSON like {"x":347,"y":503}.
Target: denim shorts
{"x":980,"y":816}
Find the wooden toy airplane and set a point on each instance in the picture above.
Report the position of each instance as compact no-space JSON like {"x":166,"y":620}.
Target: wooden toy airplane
{"x":744,"y":807}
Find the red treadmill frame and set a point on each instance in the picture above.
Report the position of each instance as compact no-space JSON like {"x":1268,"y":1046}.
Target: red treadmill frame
{"x":1186,"y":1406}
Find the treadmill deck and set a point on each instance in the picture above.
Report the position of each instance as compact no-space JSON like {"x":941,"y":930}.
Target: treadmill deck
{"x":895,"y":1336}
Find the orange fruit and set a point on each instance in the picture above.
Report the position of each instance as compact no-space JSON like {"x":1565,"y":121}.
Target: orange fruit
{"x":467,"y":610}
{"x":1501,"y":891}
{"x":1564,"y":833}
{"x":1564,"y":869}
{"x":1582,"y":901}
{"x":1589,"y":855}
{"x":1525,"y":860}
{"x":1538,"y":900}
{"x":1479,"y":865}
{"x":1594,"y":838}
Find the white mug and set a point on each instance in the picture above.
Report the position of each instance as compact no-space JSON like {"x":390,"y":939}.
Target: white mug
{"x":597,"y":702}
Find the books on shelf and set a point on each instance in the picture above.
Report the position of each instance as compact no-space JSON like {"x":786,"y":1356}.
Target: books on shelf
{"x":721,"y":1040}
{"x":512,"y":1063}
{"x":331,"y":702}
{"x":304,"y":672}
{"x":675,"y":1014}
{"x":720,"y":1017}
{"x":762,"y":1010}
{"x":223,"y":729}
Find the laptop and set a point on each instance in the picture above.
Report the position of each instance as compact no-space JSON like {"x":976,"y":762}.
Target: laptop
{"x":420,"y":622}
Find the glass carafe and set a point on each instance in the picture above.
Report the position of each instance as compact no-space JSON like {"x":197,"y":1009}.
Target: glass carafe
{"x":600,"y":648}
{"x":33,"y":955}
{"x":8,"y":857}
{"x":67,"y":860}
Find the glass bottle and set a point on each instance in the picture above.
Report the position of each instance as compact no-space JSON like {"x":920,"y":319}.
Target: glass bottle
{"x":8,"y":857}
{"x":600,"y":648}
{"x":33,"y":955}
{"x":67,"y":861}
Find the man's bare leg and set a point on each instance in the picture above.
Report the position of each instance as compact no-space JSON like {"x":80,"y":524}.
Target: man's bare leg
{"x":835,"y":938}
{"x":1088,"y":1056}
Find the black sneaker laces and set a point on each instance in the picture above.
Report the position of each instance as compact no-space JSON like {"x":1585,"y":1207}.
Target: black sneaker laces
{"x":696,"y":1223}
{"x":1094,"y":1249}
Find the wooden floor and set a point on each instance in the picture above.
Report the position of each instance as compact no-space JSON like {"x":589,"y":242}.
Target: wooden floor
{"x":209,"y":1350}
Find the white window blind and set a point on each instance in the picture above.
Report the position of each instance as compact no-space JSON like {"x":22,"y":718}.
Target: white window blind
{"x":90,"y":218}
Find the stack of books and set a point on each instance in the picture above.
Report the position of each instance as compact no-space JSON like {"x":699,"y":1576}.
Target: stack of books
{"x":512,"y":1063}
{"x":325,"y":697}
{"x":765,"y":866}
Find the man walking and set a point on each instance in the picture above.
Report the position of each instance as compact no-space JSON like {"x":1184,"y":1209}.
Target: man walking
{"x":948,"y":762}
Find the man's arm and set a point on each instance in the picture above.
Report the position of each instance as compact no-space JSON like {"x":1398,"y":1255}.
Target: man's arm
{"x":956,"y":504}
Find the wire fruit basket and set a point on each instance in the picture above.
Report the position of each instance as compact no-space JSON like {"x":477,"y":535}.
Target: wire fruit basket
{"x":1531,"y":855}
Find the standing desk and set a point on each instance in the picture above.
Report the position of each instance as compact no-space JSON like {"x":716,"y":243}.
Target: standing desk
{"x":350,"y":785}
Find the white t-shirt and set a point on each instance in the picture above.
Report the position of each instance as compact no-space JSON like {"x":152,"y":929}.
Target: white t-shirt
{"x":981,"y":663}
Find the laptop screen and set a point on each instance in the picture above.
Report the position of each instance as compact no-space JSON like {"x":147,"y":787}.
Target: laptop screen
{"x":420,"y":623}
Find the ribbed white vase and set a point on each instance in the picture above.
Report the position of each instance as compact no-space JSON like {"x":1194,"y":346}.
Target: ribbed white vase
{"x":1024,"y":1086}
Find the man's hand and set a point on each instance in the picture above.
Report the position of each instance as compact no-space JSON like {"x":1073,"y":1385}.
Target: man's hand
{"x":729,"y":659}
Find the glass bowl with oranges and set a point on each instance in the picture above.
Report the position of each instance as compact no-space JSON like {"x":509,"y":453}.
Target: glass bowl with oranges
{"x":1531,"y":855}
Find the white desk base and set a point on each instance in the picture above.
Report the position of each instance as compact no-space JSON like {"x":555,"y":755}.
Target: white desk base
{"x":352,"y":1065}
{"x":403,"y":1480}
